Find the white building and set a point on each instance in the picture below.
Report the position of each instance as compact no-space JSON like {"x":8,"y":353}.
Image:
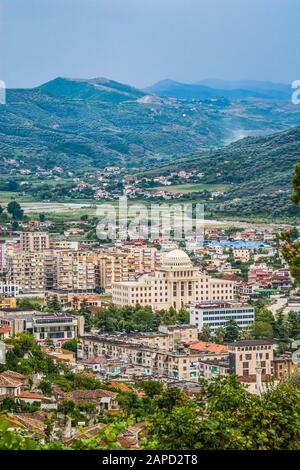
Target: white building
{"x":9,"y":289}
{"x":217,"y":314}
{"x":176,"y":283}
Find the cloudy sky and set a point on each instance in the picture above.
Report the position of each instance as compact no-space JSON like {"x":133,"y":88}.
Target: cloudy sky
{"x":143,"y":41}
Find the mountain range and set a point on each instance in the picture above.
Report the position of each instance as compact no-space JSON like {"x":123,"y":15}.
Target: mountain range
{"x":212,"y":88}
{"x":83,"y":124}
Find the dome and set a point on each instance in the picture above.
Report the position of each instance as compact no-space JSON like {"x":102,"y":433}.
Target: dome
{"x":176,"y":258}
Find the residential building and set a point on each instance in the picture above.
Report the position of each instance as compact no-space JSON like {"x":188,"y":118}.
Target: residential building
{"x":167,"y":353}
{"x":34,"y":241}
{"x":76,"y":271}
{"x":284,"y":367}
{"x":103,"y":399}
{"x":252,"y":362}
{"x":158,"y":362}
{"x":241,"y":254}
{"x":28,"y":270}
{"x":7,"y":248}
{"x":73,"y":271}
{"x":63,"y":244}
{"x":57,"y":328}
{"x":5,"y":332}
{"x":126,"y":264}
{"x":208,"y":349}
{"x":211,"y":368}
{"x":12,"y":383}
{"x":2,"y":255}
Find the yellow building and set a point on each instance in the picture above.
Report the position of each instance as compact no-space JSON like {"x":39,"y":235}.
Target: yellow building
{"x":7,"y":302}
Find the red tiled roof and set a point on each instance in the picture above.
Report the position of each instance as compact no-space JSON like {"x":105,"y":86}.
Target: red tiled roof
{"x":32,"y":396}
{"x":208,"y":347}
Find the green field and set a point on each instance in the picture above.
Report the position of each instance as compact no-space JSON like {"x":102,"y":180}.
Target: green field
{"x":7,"y":196}
{"x":192,"y":188}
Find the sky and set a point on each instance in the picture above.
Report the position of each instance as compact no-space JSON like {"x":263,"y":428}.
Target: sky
{"x":143,"y":41}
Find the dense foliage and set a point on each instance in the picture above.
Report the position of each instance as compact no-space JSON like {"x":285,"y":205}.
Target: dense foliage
{"x":291,"y":248}
{"x":131,"y":318}
{"x":223,"y":415}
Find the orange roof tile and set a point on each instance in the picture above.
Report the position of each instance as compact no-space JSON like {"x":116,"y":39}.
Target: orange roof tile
{"x":122,"y":387}
{"x":32,"y":396}
{"x":209,"y":347}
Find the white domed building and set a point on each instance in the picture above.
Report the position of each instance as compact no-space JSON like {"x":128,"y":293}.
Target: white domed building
{"x":177,"y":283}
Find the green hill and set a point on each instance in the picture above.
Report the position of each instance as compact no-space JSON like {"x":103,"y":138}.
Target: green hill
{"x":258,"y":171}
{"x":88,"y":124}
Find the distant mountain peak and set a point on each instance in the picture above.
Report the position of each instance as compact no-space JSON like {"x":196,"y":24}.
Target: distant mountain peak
{"x":96,"y":89}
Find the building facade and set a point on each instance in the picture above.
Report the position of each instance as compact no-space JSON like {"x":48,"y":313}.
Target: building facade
{"x":34,"y":241}
{"x":56,"y":328}
{"x":216,"y":314}
{"x":176,"y":283}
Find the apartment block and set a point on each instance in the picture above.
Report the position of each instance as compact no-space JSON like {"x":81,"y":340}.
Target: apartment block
{"x":126,"y":264}
{"x":76,"y":271}
{"x":159,"y":363}
{"x":34,"y":241}
{"x":28,"y":271}
{"x":63,"y":270}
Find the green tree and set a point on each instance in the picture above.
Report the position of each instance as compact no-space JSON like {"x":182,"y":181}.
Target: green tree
{"x":225,"y":416}
{"x":231,"y":331}
{"x":71,"y":345}
{"x":66,"y":407}
{"x":205,"y":333}
{"x":262,"y":330}
{"x":152,"y":388}
{"x":15,"y":210}
{"x":290,"y":249}
{"x":220,"y":335}
{"x":53,"y":304}
{"x":46,"y":387}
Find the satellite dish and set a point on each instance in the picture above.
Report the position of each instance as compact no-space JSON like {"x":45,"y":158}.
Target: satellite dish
{"x":296,"y":357}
